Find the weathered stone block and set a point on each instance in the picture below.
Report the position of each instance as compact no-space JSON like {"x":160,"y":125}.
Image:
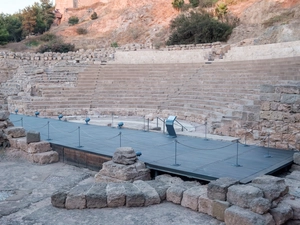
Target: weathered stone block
{"x":15,"y":132}
{"x":150,"y":194}
{"x":96,"y":196}
{"x":39,"y":147}
{"x":218,"y":209}
{"x":241,"y":216}
{"x":205,"y":204}
{"x":243,"y":195}
{"x":175,"y":193}
{"x":169,"y":180}
{"x":296,"y":158}
{"x":76,"y":197}
{"x":265,"y":88}
{"x":190,"y":197}
{"x":134,"y":197}
{"x":260,"y":205}
{"x":290,"y":98}
{"x":115,"y":195}
{"x":58,"y":199}
{"x":33,"y":136}
{"x":4,"y":115}
{"x":295,"y":204}
{"x":160,"y":187}
{"x":265,"y":106}
{"x":124,"y":155}
{"x":282,"y":213}
{"x":295,"y":175}
{"x":45,"y":157}
{"x":272,"y":187}
{"x":217,"y":190}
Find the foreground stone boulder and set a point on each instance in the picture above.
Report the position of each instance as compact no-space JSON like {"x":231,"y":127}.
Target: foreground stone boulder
{"x":272,"y":187}
{"x":123,"y":167}
{"x":236,"y":215}
{"x":217,"y":190}
{"x":15,"y":132}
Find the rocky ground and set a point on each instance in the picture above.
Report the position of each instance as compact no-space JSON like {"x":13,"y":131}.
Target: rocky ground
{"x":26,"y":188}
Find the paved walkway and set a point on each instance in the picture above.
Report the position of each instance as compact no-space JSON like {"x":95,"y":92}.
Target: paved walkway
{"x":185,"y":155}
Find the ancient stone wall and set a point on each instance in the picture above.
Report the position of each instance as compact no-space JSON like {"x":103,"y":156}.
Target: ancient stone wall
{"x":280,"y":115}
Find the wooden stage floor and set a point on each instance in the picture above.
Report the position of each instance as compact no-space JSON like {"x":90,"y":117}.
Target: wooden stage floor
{"x":187,"y":156}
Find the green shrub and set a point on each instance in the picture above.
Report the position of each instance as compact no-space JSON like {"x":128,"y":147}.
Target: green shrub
{"x":56,"y":47}
{"x":207,"y":3}
{"x":177,"y":4}
{"x":94,"y":16}
{"x":194,"y":3}
{"x":114,"y":45}
{"x":46,"y":37}
{"x":73,"y":20}
{"x":197,"y":28}
{"x":32,"y":43}
{"x":81,"y":30}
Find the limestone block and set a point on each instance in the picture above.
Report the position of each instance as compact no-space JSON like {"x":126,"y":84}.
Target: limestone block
{"x":124,"y":155}
{"x":190,"y":197}
{"x":265,"y":88}
{"x":243,"y":195}
{"x":160,"y":187}
{"x":115,"y":172}
{"x":282,"y":213}
{"x":295,"y":175}
{"x":134,"y":197}
{"x":33,"y":136}
{"x":96,"y":196}
{"x":3,"y":125}
{"x":58,"y":199}
{"x":260,"y":205}
{"x":296,"y":158}
{"x":169,"y":180}
{"x":295,"y":204}
{"x":44,"y":157}
{"x":15,"y":132}
{"x":237,"y":215}
{"x":175,"y":193}
{"x":76,"y":197}
{"x":115,"y":195}
{"x":290,"y":99}
{"x":295,"y":167}
{"x":272,"y":187}
{"x":4,"y":115}
{"x":205,"y":204}
{"x":19,"y":143}
{"x":150,"y":194}
{"x":39,"y":147}
{"x":217,"y":190}
{"x":218,"y":209}
{"x":265,"y":106}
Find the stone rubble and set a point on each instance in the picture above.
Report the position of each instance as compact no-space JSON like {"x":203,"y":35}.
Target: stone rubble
{"x":266,"y":200}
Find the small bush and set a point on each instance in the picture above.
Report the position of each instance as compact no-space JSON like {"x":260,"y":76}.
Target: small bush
{"x":207,"y":3}
{"x":194,"y":3}
{"x":56,"y":47}
{"x":32,"y":43}
{"x":114,"y":45}
{"x":94,"y":16}
{"x":46,"y":37}
{"x":177,"y":4}
{"x":73,"y":20}
{"x":81,"y":31}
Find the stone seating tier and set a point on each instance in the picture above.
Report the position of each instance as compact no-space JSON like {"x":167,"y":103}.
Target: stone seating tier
{"x":193,"y":88}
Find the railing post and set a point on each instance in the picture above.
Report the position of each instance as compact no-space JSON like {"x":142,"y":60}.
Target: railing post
{"x":237,"y":154}
{"x":268,"y":155}
{"x":48,"y":139}
{"x":79,"y":146}
{"x":176,"y":164}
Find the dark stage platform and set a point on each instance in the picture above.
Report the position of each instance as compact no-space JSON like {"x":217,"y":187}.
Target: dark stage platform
{"x":186,"y":156}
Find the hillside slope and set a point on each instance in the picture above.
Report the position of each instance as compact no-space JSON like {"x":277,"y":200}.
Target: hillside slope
{"x":146,"y":22}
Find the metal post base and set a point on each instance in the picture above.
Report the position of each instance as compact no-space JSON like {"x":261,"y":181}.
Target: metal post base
{"x":176,"y":164}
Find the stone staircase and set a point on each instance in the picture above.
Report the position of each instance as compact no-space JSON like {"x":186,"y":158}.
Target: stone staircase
{"x":192,"y":91}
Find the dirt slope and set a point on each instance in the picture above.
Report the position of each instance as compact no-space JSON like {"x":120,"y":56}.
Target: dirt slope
{"x":146,"y":22}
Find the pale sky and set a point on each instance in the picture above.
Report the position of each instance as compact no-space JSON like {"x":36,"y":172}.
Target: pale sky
{"x":13,"y":6}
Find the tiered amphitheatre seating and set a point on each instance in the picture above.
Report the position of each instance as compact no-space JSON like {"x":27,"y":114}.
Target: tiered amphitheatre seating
{"x":191,"y":91}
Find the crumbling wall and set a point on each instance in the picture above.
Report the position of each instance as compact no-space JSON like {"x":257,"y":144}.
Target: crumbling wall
{"x":280,"y":115}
